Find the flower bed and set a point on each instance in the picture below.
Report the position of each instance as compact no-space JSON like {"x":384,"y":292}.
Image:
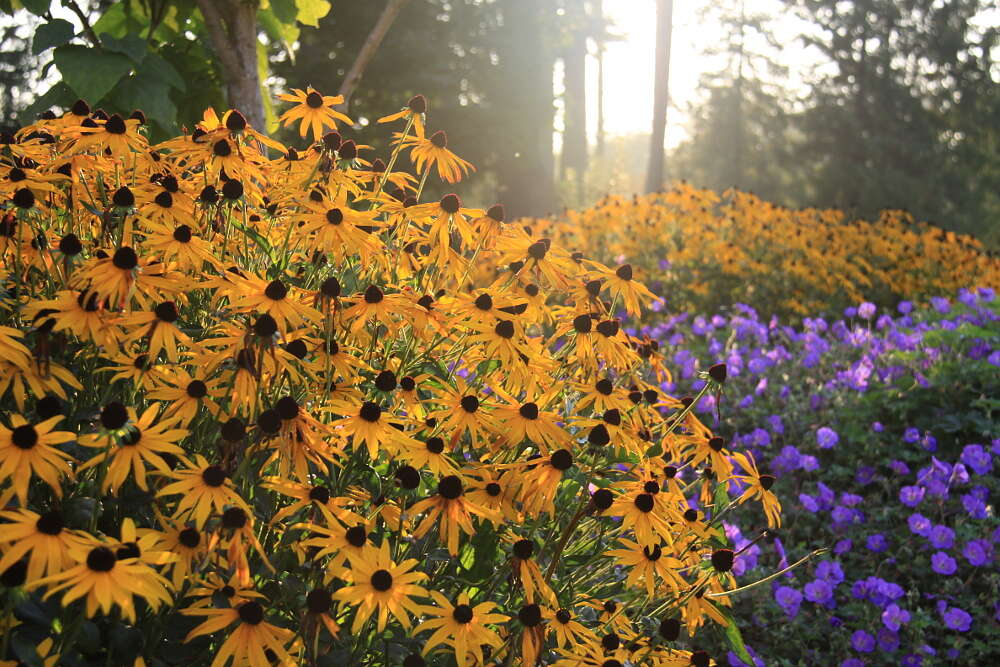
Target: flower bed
{"x":882,"y":431}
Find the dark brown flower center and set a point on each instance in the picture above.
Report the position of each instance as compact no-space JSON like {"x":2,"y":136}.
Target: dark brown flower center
{"x":381,"y":580}
{"x":314,"y":100}
{"x":50,"y":523}
{"x":462,"y":613}
{"x":644,"y":502}
{"x":450,"y":487}
{"x":189,"y":537}
{"x":24,"y":436}
{"x":101,"y":559}
{"x":213,"y":476}
{"x":251,"y":613}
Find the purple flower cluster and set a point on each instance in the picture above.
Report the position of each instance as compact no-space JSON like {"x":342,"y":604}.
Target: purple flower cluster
{"x":907,"y":508}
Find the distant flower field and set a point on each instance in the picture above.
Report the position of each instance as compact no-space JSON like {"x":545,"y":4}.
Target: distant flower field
{"x":701,"y":250}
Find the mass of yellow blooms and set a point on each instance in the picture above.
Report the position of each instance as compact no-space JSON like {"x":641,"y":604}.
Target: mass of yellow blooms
{"x":700,"y":250}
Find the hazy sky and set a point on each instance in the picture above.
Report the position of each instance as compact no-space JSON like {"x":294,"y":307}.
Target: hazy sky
{"x":629,"y":63}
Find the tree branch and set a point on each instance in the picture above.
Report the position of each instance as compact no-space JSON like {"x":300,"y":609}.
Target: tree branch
{"x":87,"y":28}
{"x":219,"y":38}
{"x":368,"y":49}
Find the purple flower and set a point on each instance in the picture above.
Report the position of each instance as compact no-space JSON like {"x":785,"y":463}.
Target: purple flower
{"x":867,"y":310}
{"x":979,"y":553}
{"x":789,"y":599}
{"x":888,"y":640}
{"x":853,"y":662}
{"x":894,"y":616}
{"x":831,"y":571}
{"x":912,"y":660}
{"x":808,"y":502}
{"x":911,"y":495}
{"x":941,"y":304}
{"x":850,"y":311}
{"x":827,"y":438}
{"x":899,"y":467}
{"x":864,"y":475}
{"x":850,"y":499}
{"x":919,"y":524}
{"x":819,"y":591}
{"x":842,"y":547}
{"x":956,"y":619}
{"x":862,"y":642}
{"x":905,"y":307}
{"x":942,"y":537}
{"x":974,"y":506}
{"x":809,"y":463}
{"x":944,"y":564}
{"x":977,"y":458}
{"x":877,"y":427}
{"x":911,"y":435}
{"x":877,"y":543}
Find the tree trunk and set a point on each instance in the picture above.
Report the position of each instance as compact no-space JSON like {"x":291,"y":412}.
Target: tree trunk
{"x":574,"y":149}
{"x":599,"y":13}
{"x":661,"y":96}
{"x":368,"y":49}
{"x":232,"y":31}
{"x":526,"y":166}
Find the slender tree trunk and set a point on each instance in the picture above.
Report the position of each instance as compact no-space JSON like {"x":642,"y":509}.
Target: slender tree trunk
{"x":661,"y":96}
{"x":599,"y":13}
{"x":232,"y":31}
{"x":368,"y":49}
{"x":525,"y":165}
{"x":574,"y":149}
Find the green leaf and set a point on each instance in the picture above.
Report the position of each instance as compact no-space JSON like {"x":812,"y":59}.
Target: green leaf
{"x":91,"y":73}
{"x":285,"y":10}
{"x":720,"y":497}
{"x":113,"y":22}
{"x":733,"y":636}
{"x":36,"y":7}
{"x":132,"y":46}
{"x":146,"y":93}
{"x":156,"y":67}
{"x":284,"y":33}
{"x":51,"y":33}
{"x":311,"y":11}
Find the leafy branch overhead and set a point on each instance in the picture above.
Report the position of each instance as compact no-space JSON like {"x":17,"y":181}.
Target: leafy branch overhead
{"x":145,"y":54}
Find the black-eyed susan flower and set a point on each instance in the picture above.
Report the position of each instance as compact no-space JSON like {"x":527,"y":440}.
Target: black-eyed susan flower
{"x":414,"y":112}
{"x":427,"y":152}
{"x":203,"y":488}
{"x":106,"y":581}
{"x":758,"y":488}
{"x":139,"y":442}
{"x":452,"y":509}
{"x":526,"y":572}
{"x":30,"y":449}
{"x":649,"y":563}
{"x":380,"y":585}
{"x":315,"y":111}
{"x":462,"y":626}
{"x":253,"y":642}
{"x":567,"y":630}
{"x":43,"y":538}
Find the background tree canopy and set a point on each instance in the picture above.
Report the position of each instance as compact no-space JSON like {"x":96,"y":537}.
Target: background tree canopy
{"x":904,"y":112}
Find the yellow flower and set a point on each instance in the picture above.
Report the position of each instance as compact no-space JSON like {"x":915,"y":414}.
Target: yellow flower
{"x":107,"y":581}
{"x":251,"y":642}
{"x":28,"y":449}
{"x":378,"y":584}
{"x":461,"y":625}
{"x":314,"y":110}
